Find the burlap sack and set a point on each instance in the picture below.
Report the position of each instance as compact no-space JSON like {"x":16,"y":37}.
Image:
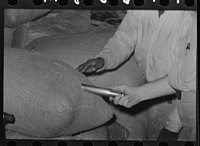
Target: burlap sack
{"x":8,"y":36}
{"x":77,"y":48}
{"x":62,"y":22}
{"x":46,"y":98}
{"x":15,"y":17}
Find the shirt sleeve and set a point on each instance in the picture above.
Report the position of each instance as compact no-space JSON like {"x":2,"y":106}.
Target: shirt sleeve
{"x":122,"y":44}
{"x":183,"y":77}
{"x":183,"y":72}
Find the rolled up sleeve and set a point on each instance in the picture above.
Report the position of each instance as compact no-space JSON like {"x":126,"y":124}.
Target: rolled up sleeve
{"x":122,"y":44}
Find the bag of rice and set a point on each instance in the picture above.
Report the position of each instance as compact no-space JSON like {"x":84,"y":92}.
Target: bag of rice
{"x":15,"y":17}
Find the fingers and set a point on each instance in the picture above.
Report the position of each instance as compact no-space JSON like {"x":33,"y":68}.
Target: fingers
{"x":91,"y":66}
{"x":117,"y":98}
{"x":80,"y":67}
{"x":121,"y":100}
{"x":87,"y":67}
{"x":124,"y":101}
{"x":111,"y":98}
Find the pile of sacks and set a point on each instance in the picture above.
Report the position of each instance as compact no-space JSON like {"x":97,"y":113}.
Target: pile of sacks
{"x":42,"y":83}
{"x":28,"y":25}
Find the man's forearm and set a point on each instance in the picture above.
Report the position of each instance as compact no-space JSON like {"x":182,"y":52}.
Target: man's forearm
{"x":122,"y":44}
{"x":155,"y":89}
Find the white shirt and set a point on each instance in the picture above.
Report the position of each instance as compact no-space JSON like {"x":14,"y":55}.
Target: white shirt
{"x":152,"y":38}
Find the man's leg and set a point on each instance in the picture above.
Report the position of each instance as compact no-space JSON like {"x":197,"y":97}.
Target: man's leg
{"x":173,"y":126}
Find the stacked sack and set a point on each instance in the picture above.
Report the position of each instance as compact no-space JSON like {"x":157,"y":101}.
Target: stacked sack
{"x":45,"y":116}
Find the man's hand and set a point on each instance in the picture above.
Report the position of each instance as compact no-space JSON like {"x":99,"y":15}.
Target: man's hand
{"x":131,"y":97}
{"x":91,"y":65}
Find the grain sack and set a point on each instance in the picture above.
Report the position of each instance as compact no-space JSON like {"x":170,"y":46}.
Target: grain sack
{"x":64,"y":22}
{"x":52,"y":24}
{"x":15,"y":17}
{"x":8,"y":36}
{"x":46,"y":98}
{"x":113,"y":131}
{"x":100,"y":133}
{"x":77,"y":48}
